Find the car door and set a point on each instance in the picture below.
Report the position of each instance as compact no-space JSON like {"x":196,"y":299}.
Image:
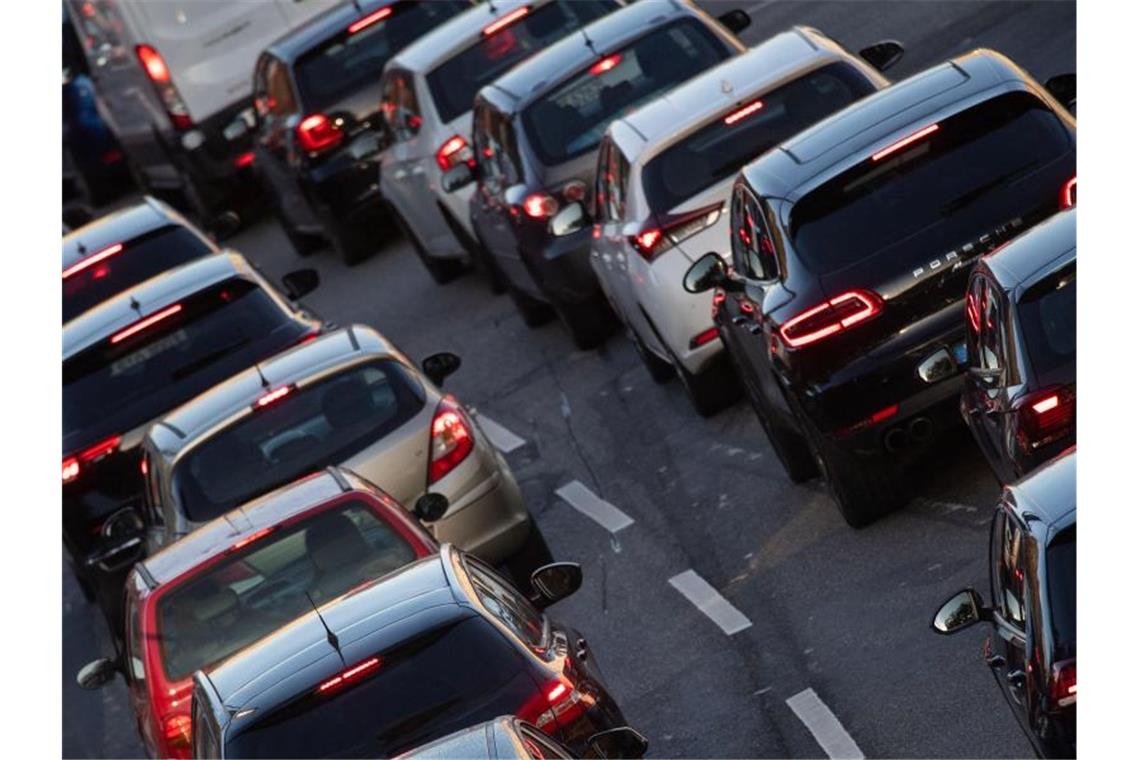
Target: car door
{"x":986,"y":391}
{"x":278,"y":110}
{"x":1005,"y":649}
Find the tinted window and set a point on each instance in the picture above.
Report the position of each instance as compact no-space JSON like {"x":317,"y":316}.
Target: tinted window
{"x":308,"y":429}
{"x":272,"y":90}
{"x":453,"y":83}
{"x":1003,"y":159}
{"x":495,"y":147}
{"x":347,"y":62}
{"x":1011,"y":572}
{"x":501,"y":600}
{"x":400,"y":107}
{"x":716,"y":152}
{"x":139,"y":260}
{"x":1061,"y":566}
{"x":439,"y":682}
{"x":753,"y":250}
{"x":1048,"y":313}
{"x":256,"y":590}
{"x":571,"y":119}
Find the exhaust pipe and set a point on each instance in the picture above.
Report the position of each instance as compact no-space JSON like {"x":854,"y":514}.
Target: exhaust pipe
{"x":921,"y":429}
{"x":895,"y":440}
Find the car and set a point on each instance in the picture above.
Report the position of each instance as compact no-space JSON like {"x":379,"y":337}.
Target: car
{"x":510,"y":737}
{"x":536,"y":131}
{"x":435,"y":647}
{"x":239,"y":579}
{"x":1032,"y":651}
{"x":348,"y":398}
{"x":1020,"y":399}
{"x":665,"y":174}
{"x":429,"y":88}
{"x":132,"y":359}
{"x":319,"y":132}
{"x":844,"y":307}
{"x":106,"y":256}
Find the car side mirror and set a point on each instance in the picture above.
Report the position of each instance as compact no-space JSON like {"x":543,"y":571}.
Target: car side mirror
{"x":882,"y":55}
{"x":620,"y":742}
{"x":555,"y":582}
{"x":959,"y":611}
{"x":457,"y":177}
{"x":439,"y":366}
{"x":708,"y":272}
{"x":735,"y":21}
{"x":1064,"y":88}
{"x":224,"y":225}
{"x":431,"y":506}
{"x":569,"y":220}
{"x":300,"y":283}
{"x":97,"y":673}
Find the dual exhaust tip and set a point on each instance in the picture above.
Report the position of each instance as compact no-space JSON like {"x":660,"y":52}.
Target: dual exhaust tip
{"x":919,"y":430}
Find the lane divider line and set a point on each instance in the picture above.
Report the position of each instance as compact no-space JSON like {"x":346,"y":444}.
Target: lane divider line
{"x":709,"y":601}
{"x":596,"y":508}
{"x":824,"y":726}
{"x":501,"y":438}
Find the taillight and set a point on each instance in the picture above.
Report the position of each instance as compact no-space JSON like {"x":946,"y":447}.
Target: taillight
{"x":743,"y":113}
{"x":505,"y":21}
{"x":366,"y":21}
{"x":455,"y":150}
{"x":654,"y":240}
{"x":1044,"y":416}
{"x":176,"y":730}
{"x":94,"y":258}
{"x":1063,"y":684}
{"x":606,"y":64}
{"x":142,"y":324}
{"x":830,"y":317}
{"x":159,"y":75}
{"x":70,"y":469}
{"x":1069,"y":194}
{"x":244,"y":160}
{"x":73,"y":465}
{"x":351,"y":674}
{"x":451,"y":438}
{"x":317,"y":132}
{"x":540,"y":205}
{"x":908,"y":140}
{"x":703,"y":337}
{"x":558,"y":699}
{"x":272,"y":396}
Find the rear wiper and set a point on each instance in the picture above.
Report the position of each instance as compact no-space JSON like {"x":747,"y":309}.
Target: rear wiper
{"x":210,"y":358}
{"x":969,"y":197}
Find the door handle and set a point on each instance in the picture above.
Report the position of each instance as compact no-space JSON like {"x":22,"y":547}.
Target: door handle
{"x":1015,"y":679}
{"x":996,"y":661}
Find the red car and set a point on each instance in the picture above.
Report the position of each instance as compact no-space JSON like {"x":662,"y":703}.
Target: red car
{"x":243,"y":576}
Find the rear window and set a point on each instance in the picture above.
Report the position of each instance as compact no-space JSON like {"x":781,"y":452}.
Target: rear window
{"x":439,"y":682}
{"x":348,"y":62}
{"x":717,"y":151}
{"x":306,"y":430}
{"x":217,"y":333}
{"x":453,"y":83}
{"x":1005,"y":158}
{"x":571,"y":119}
{"x":1048,"y":315}
{"x":1061,"y":566}
{"x":263,"y":586}
{"x":139,"y":260}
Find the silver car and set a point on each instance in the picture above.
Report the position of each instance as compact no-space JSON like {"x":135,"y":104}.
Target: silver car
{"x":428,"y":91}
{"x":346,"y":398}
{"x":663,"y":181}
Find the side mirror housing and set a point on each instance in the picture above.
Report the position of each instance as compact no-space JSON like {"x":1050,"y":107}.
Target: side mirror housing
{"x":620,"y":742}
{"x":97,"y":673}
{"x":958,"y":612}
{"x":708,"y":272}
{"x":430,"y":507}
{"x":1064,"y":88}
{"x":882,"y":55}
{"x":569,"y":220}
{"x":555,"y":582}
{"x":439,"y":366}
{"x":456,"y":177}
{"x":735,"y":21}
{"x":300,"y":283}
{"x":224,"y":225}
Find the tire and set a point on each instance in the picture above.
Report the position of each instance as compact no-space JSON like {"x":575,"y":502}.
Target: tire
{"x":534,"y":313}
{"x":713,"y":390}
{"x":303,"y":244}
{"x":533,"y":555}
{"x":864,"y":488}
{"x":589,"y":324}
{"x":791,"y":449}
{"x":659,"y":370}
{"x":480,"y":259}
{"x":442,"y":271}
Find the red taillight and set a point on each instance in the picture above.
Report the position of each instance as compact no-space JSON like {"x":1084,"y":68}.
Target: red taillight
{"x":908,"y":140}
{"x":142,"y":324}
{"x":70,"y":469}
{"x":153,"y":64}
{"x":743,"y":113}
{"x":658,"y":238}
{"x":718,"y":299}
{"x":94,"y":258}
{"x":606,"y":64}
{"x":454,"y":151}
{"x":451,"y":439}
{"x":159,"y":74}
{"x":826,"y":319}
{"x":274,"y":395}
{"x":176,"y":730}
{"x":505,"y":21}
{"x":883,"y":414}
{"x":574,"y":190}
{"x":1063,"y":684}
{"x":973,"y":314}
{"x":353,"y":673}
{"x":317,"y":132}
{"x":73,"y":465}
{"x":706,"y":336}
{"x":367,"y":21}
{"x":558,"y":699}
{"x":1069,"y":194}
{"x":1044,"y":416}
{"x":244,"y":160}
{"x":540,"y":205}
{"x":647,"y":241}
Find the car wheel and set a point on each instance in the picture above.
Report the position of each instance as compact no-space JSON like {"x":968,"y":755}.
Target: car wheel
{"x":534,"y":312}
{"x":791,"y":449}
{"x":660,"y":370}
{"x":533,"y":555}
{"x":442,"y":271}
{"x":714,"y":389}
{"x":589,"y":324}
{"x":864,"y":488}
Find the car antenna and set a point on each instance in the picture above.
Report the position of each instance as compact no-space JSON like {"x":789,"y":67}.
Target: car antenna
{"x":333,"y":640}
{"x":264,"y":382}
{"x":589,"y":42}
{"x":136,"y":306}
{"x":491,"y":6}
{"x":356,"y":5}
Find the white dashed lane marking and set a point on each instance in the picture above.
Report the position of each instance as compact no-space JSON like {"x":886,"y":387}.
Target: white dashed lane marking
{"x":501,"y":438}
{"x":709,"y":601}
{"x":824,"y":726}
{"x":596,"y":508}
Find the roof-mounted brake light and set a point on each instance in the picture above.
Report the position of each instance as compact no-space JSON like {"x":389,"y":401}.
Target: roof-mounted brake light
{"x":367,"y":21}
{"x":908,"y":140}
{"x":272,"y":396}
{"x":352,"y":673}
{"x":142,"y":324}
{"x":505,"y":21}
{"x":606,"y":64}
{"x":94,"y":258}
{"x":743,"y":113}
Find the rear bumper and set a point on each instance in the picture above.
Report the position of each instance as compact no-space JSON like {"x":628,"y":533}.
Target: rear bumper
{"x":346,"y":191}
{"x":213,"y":165}
{"x":490,"y":520}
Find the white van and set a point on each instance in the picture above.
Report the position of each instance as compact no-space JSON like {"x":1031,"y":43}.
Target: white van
{"x":174,"y":82}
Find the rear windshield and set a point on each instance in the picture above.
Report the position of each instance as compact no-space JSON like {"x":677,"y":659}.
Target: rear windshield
{"x":1061,"y":565}
{"x":139,"y":260}
{"x":1005,"y":158}
{"x":571,"y":119}
{"x":348,"y":62}
{"x":217,"y":333}
{"x":717,"y":151}
{"x":453,"y":83}
{"x":263,"y":586}
{"x":1048,"y":314}
{"x":443,"y":680}
{"x":306,"y":430}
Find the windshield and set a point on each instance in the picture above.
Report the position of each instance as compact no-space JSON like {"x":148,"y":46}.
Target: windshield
{"x":571,"y":119}
{"x":1061,"y":565}
{"x":717,"y":151}
{"x":263,"y":586}
{"x":307,"y":429}
{"x":1005,"y":158}
{"x":1048,"y":314}
{"x":454,"y":82}
{"x":350,"y":61}
{"x":139,"y":260}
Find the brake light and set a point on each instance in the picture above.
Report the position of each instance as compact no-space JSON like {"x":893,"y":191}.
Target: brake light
{"x":272,"y":396}
{"x":369,"y":20}
{"x":719,"y":297}
{"x":606,"y":64}
{"x":506,"y":20}
{"x":159,"y":74}
{"x":908,"y":140}
{"x":540,"y":205}
{"x":73,"y":464}
{"x":153,"y":63}
{"x":558,"y":699}
{"x":652,"y":242}
{"x":256,"y":535}
{"x":317,"y":132}
{"x":244,"y":160}
{"x":830,"y":317}
{"x":1045,"y":416}
{"x":353,"y":673}
{"x":451,"y":438}
{"x":176,"y":730}
{"x":701,"y":338}
{"x":94,"y":258}
{"x":1063,"y":684}
{"x":574,"y":190}
{"x":453,"y":151}
{"x":70,"y":469}
{"x":1069,"y":194}
{"x":142,"y":324}
{"x":744,"y":112}
{"x":647,"y":241}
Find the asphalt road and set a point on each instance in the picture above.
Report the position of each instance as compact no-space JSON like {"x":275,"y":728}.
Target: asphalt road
{"x":840,"y":612}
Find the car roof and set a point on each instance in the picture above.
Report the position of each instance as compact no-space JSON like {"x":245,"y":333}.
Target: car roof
{"x":456,"y":33}
{"x":804,"y":161}
{"x":300,"y":40}
{"x":1040,"y":250}
{"x":476,"y":741}
{"x":231,"y":399}
{"x":121,"y":226}
{"x":1049,"y":493}
{"x":163,"y":289}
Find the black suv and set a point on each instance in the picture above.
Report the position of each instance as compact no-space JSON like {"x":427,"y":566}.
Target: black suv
{"x":435,"y":647}
{"x":536,"y":134}
{"x":1033,"y":585}
{"x":1021,"y":341}
{"x":319,"y":128}
{"x":851,"y":245}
